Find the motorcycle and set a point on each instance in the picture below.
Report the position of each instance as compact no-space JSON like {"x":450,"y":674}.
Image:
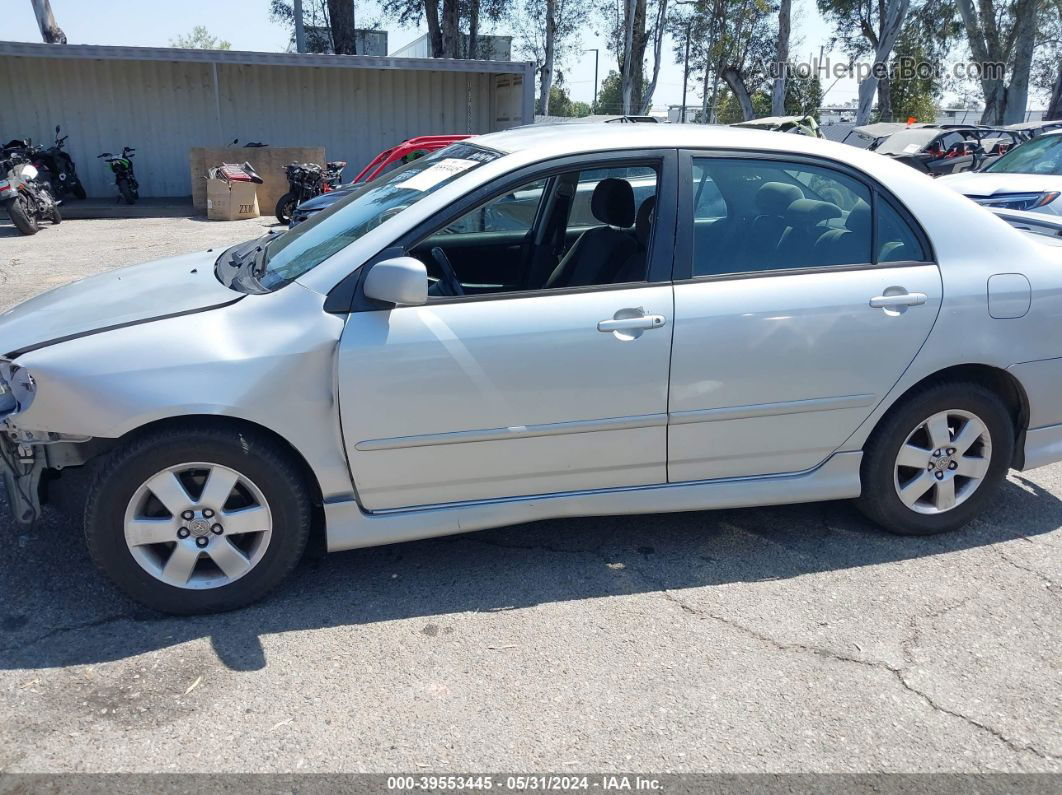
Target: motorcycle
{"x":122,"y":166}
{"x":58,"y":166}
{"x":305,"y":181}
{"x":24,"y":194}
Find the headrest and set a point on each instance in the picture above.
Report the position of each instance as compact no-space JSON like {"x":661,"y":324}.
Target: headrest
{"x":808,"y":212}
{"x":858,"y":219}
{"x":612,"y":202}
{"x":643,"y":224}
{"x":774,"y":197}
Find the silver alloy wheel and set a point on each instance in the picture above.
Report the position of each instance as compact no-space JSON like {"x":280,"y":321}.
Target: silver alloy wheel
{"x":942,"y":461}
{"x":198,"y":525}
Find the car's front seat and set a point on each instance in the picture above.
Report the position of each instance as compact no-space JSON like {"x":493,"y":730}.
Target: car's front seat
{"x":599,"y":251}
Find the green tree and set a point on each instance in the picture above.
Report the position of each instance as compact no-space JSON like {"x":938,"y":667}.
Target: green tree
{"x":200,"y":39}
{"x":913,"y":92}
{"x":803,"y":93}
{"x":610,"y":95}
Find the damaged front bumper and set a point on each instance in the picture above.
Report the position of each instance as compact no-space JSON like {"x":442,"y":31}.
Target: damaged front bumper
{"x":21,"y":467}
{"x":25,"y":456}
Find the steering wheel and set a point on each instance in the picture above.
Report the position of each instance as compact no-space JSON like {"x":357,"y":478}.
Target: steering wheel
{"x":448,"y":284}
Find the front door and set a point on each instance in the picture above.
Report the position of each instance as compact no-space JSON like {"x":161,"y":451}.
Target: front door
{"x":795,"y":321}
{"x":518,"y":387}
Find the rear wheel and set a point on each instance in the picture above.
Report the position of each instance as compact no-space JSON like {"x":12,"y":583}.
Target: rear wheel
{"x":78,"y":190}
{"x":127,"y":191}
{"x":286,"y":205}
{"x":934,"y":462}
{"x":21,"y":216}
{"x":198,"y":521}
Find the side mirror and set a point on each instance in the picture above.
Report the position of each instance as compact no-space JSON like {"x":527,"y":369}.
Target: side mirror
{"x":399,"y":281}
{"x":57,"y":129}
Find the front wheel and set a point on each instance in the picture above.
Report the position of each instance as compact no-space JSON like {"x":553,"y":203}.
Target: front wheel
{"x":934,"y":462}
{"x":286,"y":205}
{"x":21,"y":217}
{"x":198,"y":520}
{"x":127,"y":191}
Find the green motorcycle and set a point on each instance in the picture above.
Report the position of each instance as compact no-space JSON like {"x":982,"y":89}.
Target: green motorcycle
{"x":122,"y":166}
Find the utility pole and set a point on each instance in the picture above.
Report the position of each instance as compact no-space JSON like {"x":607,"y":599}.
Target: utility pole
{"x":686,"y":69}
{"x":300,"y":32}
{"x":597,"y":54}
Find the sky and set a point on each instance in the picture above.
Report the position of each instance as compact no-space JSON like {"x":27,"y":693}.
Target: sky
{"x":247,"y":25}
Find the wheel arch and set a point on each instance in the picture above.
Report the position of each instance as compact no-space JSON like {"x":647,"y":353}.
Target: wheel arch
{"x":996,"y":379}
{"x":232,"y":423}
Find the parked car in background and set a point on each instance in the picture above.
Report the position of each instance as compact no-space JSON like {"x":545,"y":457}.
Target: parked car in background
{"x":1033,"y":129}
{"x":732,"y":318}
{"x":868,"y":136}
{"x":1046,"y":225}
{"x":388,"y":159}
{"x":1028,"y":177}
{"x":800,"y":125}
{"x":937,"y":149}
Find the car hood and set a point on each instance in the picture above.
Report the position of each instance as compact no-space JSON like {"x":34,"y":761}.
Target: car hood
{"x":972,"y":183}
{"x":137,"y":294}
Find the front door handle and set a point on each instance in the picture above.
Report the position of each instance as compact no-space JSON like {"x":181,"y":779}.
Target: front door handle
{"x":631,"y":323}
{"x":898,"y":299}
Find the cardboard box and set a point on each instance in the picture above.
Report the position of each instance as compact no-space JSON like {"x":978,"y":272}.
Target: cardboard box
{"x":231,"y":201}
{"x":268,"y":161}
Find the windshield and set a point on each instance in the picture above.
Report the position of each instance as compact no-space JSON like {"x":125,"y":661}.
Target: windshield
{"x":906,"y":142}
{"x":1038,"y":156}
{"x":310,"y":243}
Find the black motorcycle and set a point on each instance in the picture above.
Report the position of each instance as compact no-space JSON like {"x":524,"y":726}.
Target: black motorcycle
{"x":306,"y":180}
{"x":24,"y":193}
{"x":57,"y":165}
{"x":122,"y":166}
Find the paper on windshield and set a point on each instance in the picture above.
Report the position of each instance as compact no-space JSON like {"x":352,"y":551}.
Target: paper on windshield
{"x":912,"y":148}
{"x":441,"y":171}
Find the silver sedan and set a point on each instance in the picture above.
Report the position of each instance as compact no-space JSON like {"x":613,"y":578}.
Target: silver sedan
{"x":545,"y":322}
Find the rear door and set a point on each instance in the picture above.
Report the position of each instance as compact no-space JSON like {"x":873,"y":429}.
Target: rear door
{"x":783,"y":347}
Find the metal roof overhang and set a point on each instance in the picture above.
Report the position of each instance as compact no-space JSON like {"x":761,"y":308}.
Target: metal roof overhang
{"x":25,"y":49}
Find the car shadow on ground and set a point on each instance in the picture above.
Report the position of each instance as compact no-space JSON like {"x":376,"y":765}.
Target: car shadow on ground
{"x":58,"y":611}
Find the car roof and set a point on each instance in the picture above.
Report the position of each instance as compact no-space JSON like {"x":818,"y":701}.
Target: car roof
{"x":552,"y":140}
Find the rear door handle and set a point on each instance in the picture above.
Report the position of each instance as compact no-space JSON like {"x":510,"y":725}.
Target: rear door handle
{"x":899,"y":299}
{"x":631,"y":323}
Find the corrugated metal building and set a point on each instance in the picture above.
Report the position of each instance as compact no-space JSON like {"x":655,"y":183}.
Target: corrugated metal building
{"x":165,"y":100}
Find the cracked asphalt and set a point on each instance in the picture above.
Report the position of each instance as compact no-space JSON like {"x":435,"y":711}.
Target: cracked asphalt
{"x":777,"y":639}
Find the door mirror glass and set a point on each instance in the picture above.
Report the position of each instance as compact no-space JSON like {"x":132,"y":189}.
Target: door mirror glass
{"x":401,"y":281}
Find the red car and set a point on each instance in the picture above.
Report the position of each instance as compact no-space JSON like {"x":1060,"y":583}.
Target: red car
{"x":407,"y":150}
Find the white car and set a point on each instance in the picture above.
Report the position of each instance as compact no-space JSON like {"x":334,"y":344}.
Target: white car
{"x":1028,"y":177}
{"x":728,"y":318}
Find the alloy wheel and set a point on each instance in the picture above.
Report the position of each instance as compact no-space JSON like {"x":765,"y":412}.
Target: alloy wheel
{"x":943,"y":461}
{"x":198,"y":525}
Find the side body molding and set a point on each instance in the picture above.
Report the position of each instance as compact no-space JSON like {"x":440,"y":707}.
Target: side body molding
{"x":349,"y":527}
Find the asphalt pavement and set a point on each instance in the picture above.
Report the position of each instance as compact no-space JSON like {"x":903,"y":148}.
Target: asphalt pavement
{"x":777,"y":639}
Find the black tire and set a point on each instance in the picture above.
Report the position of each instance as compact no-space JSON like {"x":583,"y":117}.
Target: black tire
{"x":55,"y":216}
{"x":78,"y":190}
{"x":127,"y":191}
{"x":879,"y":500}
{"x":23,"y":221}
{"x":257,"y":457}
{"x":286,"y":205}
